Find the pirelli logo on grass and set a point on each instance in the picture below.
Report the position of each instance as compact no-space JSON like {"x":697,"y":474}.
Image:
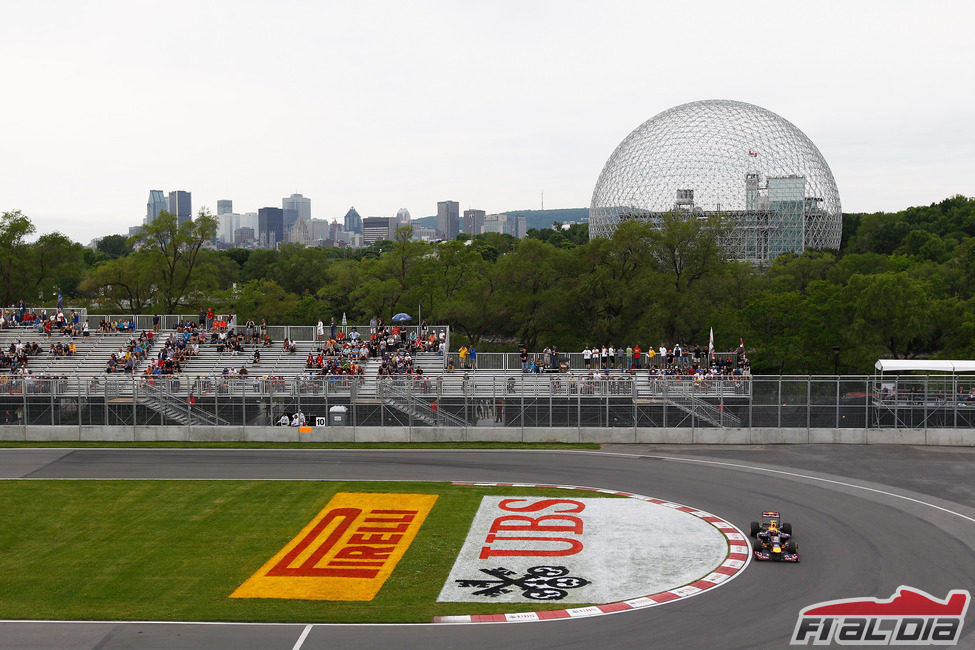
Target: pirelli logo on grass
{"x":346,"y":552}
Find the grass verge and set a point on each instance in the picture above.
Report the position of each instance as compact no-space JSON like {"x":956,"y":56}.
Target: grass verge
{"x":175,"y":550}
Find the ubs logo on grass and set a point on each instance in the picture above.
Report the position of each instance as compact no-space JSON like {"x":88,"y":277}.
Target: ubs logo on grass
{"x":909,"y":617}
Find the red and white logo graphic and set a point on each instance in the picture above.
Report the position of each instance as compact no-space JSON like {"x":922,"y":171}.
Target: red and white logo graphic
{"x":909,"y":617}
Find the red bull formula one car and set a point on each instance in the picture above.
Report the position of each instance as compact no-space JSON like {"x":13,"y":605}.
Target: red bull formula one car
{"x":773,"y":541}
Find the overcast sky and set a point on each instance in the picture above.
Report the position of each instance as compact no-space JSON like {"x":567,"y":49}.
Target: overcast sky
{"x":384,"y":105}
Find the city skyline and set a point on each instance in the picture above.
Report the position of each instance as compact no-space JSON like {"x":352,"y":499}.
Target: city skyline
{"x":385,"y":106}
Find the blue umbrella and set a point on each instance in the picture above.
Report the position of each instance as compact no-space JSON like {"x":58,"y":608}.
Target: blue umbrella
{"x":400,"y":317}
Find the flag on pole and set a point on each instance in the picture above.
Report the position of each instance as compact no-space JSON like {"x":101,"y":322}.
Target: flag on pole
{"x":711,"y":345}
{"x":59,"y":301}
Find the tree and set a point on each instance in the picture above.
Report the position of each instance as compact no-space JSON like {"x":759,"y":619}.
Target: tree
{"x":531,"y":290}
{"x":124,"y":284}
{"x":56,"y":265}
{"x":259,"y":299}
{"x":14,"y":269}
{"x":172,"y":250}
{"x":791,"y":272}
{"x":114,"y":246}
{"x":687,"y":248}
{"x":614,"y":285}
{"x":298,"y":269}
{"x":892,"y":310}
{"x":685,"y":251}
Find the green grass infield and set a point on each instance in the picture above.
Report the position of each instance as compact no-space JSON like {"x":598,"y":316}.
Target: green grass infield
{"x":175,"y":550}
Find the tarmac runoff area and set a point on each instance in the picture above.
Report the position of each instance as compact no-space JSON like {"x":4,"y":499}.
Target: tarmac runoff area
{"x":864,"y":516}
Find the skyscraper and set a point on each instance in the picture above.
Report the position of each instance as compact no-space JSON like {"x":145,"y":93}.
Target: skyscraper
{"x":270,"y":227}
{"x":156,"y":204}
{"x":225,"y":206}
{"x":228,"y":222}
{"x":448,"y":218}
{"x":180,"y":206}
{"x":473,"y":222}
{"x":299,"y":203}
{"x":290,"y":218}
{"x":376,"y":229}
{"x":402,"y":217}
{"x":353,"y":222}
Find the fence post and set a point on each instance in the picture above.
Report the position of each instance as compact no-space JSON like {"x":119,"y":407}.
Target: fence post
{"x":721,"y":386}
{"x":636,"y":413}
{"x":954,"y":400}
{"x":836,"y":421}
{"x":750,"y":383}
{"x":925,"y":405}
{"x":866,"y":403}
{"x":521,"y":416}
{"x":808,"y":405}
{"x":297,"y":384}
{"x":579,"y":410}
{"x":778,"y":402}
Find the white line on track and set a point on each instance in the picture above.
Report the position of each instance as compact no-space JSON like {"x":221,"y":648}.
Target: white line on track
{"x":816,"y":478}
{"x":301,"y":639}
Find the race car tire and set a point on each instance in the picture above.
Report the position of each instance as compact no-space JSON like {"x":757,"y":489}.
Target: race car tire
{"x":787,"y":529}
{"x":791,"y":548}
{"x":754,"y":528}
{"x":758,"y":545}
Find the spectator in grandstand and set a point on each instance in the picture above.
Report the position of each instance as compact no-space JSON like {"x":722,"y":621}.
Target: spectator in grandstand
{"x":257,"y":358}
{"x":472,"y":356}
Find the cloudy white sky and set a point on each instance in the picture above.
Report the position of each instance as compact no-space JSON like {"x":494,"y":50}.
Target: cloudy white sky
{"x":384,"y":105}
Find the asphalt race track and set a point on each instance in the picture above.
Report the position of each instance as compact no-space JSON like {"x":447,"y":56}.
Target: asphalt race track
{"x":867,"y":519}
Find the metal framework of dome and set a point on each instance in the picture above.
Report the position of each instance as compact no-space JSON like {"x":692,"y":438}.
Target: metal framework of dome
{"x":729,"y":158}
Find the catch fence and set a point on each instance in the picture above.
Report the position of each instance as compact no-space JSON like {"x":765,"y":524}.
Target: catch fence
{"x":493,"y":399}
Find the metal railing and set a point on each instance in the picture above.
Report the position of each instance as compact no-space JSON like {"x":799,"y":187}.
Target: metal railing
{"x":418,"y":398}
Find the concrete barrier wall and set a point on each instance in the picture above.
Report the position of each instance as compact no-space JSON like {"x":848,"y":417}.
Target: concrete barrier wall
{"x":701,"y":436}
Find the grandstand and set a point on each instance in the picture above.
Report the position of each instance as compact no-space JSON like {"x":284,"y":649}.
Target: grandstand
{"x":225,"y":388}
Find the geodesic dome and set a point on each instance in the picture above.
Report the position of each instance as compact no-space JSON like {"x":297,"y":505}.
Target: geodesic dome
{"x":729,"y":158}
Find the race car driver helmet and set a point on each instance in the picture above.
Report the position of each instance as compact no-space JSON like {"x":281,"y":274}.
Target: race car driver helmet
{"x":773,"y":525}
